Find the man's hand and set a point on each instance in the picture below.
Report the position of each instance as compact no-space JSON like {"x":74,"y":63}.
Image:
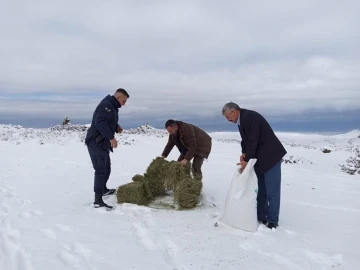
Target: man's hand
{"x":242,"y":157}
{"x":183,"y":162}
{"x":242,"y":164}
{"x":119,"y":129}
{"x":113,"y":143}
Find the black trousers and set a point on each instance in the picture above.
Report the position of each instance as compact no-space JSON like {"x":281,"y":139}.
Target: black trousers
{"x":101,"y":162}
{"x":196,"y":166}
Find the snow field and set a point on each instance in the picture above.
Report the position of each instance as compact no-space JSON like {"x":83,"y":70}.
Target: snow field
{"x":47,"y":222}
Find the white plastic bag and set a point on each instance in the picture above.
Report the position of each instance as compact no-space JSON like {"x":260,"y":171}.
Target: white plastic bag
{"x":239,"y":210}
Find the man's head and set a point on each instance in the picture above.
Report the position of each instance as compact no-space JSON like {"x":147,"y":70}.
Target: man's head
{"x":121,"y":95}
{"x":231,"y":111}
{"x":171,"y":126}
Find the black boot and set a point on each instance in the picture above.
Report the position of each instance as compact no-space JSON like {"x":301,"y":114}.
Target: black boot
{"x":100,"y":203}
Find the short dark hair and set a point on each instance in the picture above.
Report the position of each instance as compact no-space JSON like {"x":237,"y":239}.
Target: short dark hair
{"x":122,"y":91}
{"x":170,"y":123}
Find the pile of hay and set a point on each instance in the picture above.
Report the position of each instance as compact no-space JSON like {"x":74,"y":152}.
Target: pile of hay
{"x":161,"y":178}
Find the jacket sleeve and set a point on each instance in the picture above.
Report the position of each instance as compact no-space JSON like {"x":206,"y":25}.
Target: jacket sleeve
{"x":243,"y":148}
{"x":190,"y":139}
{"x":169,"y":146}
{"x":252,"y":130}
{"x":102,"y":119}
{"x":117,"y":126}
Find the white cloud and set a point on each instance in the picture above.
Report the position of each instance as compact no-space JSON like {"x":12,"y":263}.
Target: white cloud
{"x":185,"y":58}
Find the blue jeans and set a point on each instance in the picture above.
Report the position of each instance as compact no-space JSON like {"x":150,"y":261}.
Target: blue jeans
{"x":268,"y":197}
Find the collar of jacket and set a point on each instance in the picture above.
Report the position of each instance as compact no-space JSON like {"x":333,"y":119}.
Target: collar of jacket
{"x":113,"y":101}
{"x":179,"y":133}
{"x":178,"y":136}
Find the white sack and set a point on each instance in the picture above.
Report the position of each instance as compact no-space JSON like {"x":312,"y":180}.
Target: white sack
{"x":239,"y":210}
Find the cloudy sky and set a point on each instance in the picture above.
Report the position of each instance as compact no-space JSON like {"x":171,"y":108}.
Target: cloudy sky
{"x":293,"y":61}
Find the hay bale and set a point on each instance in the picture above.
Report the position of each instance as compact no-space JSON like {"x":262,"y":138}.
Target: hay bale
{"x":141,"y":178}
{"x":133,"y":192}
{"x":187,"y":193}
{"x":138,"y":177}
{"x":155,"y":175}
{"x":175,"y":173}
{"x":160,"y":176}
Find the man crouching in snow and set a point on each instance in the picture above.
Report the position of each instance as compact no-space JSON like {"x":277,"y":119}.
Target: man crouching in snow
{"x":100,"y":140}
{"x":259,"y":141}
{"x":191,"y":141}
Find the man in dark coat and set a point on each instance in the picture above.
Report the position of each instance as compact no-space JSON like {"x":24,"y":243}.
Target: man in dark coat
{"x":100,"y":140}
{"x":191,"y":141}
{"x":260,"y":142}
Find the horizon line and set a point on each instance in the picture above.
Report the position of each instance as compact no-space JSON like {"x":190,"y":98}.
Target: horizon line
{"x":205,"y":129}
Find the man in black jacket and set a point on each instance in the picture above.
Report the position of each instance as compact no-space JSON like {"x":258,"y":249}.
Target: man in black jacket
{"x":100,"y":140}
{"x":260,"y":142}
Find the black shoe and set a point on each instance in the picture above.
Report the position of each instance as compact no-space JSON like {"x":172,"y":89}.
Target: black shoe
{"x":100,"y":203}
{"x":272,"y":225}
{"x":263,"y":222}
{"x":109,"y":192}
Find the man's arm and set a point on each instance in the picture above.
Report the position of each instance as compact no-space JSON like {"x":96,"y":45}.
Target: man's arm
{"x":252,"y":130}
{"x":181,"y":157}
{"x":190,"y":139}
{"x":243,"y":149}
{"x":102,"y":118}
{"x":169,"y":146}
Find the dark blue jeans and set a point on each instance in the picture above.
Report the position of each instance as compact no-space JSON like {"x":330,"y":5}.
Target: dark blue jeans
{"x":100,"y":159}
{"x":268,"y":198}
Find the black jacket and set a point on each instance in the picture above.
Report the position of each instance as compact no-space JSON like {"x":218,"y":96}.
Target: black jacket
{"x":104,"y":122}
{"x":259,"y":141}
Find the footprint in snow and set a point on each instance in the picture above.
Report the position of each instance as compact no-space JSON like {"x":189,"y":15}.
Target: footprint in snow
{"x":36,"y":212}
{"x":324,"y":260}
{"x":63,"y":228}
{"x":24,"y":202}
{"x":149,"y":220}
{"x":49,"y":234}
{"x":67,"y":259}
{"x":5,"y":208}
{"x":291,"y":233}
{"x":23,"y":261}
{"x":25,"y":215}
{"x":80,"y":250}
{"x":251,"y":246}
{"x":248,"y":246}
{"x":143,"y":237}
{"x":75,"y":256}
{"x":7,"y":192}
{"x":15,"y":257}
{"x":9,"y":231}
{"x":170,"y":250}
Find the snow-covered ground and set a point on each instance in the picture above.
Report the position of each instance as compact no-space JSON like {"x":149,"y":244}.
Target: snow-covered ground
{"x":47,"y":222}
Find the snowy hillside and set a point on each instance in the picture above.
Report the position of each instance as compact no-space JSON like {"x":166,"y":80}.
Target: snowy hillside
{"x":47,"y":222}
